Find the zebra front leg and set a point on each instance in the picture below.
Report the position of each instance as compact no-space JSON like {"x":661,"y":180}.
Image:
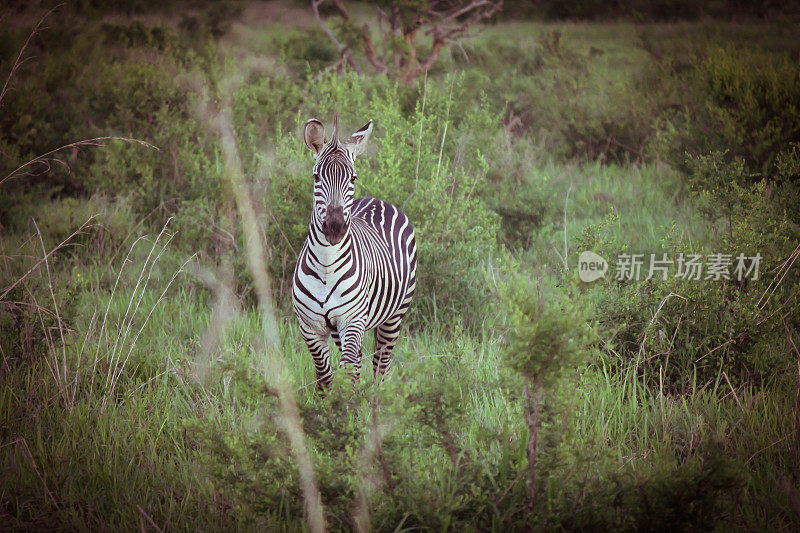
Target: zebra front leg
{"x":352,"y":335}
{"x":386,"y":336}
{"x":318,"y":346}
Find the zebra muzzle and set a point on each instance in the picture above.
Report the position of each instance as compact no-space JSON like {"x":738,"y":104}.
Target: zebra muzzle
{"x":334,"y":227}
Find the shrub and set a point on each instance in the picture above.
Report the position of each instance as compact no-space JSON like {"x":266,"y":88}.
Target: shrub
{"x":547,"y":336}
{"x":739,"y":100}
{"x":559,"y":95}
{"x":695,"y":330}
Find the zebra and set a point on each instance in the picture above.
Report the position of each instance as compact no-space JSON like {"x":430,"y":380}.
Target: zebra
{"x":357,"y":269}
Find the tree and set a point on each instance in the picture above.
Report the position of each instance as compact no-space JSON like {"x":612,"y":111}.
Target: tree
{"x":444,"y":21}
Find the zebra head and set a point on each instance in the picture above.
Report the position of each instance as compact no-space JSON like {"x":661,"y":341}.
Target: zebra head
{"x":334,"y":176}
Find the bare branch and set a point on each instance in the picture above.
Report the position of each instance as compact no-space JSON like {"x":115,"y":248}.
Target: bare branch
{"x":478,"y":10}
{"x":382,"y":13}
{"x":315,"y":7}
{"x":466,"y":9}
{"x":341,"y":9}
{"x":445,"y":21}
{"x":369,"y":49}
{"x":345,"y":56}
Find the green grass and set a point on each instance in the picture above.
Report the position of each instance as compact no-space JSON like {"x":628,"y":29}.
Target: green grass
{"x":104,"y":455}
{"x":100,"y":459}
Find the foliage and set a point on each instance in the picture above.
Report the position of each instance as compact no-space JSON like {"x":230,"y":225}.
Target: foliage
{"x":742,"y":101}
{"x":576,"y":99}
{"x":687,"y":332}
{"x":547,"y":328}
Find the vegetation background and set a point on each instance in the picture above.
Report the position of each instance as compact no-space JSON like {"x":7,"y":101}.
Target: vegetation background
{"x":148,"y":381}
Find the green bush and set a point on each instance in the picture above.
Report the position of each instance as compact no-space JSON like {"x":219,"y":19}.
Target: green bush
{"x":548,"y":332}
{"x":689,"y":332}
{"x":742,"y":100}
{"x":569,"y":98}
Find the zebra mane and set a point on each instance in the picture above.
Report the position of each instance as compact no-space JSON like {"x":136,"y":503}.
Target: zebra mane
{"x":334,"y":148}
{"x":334,"y":151}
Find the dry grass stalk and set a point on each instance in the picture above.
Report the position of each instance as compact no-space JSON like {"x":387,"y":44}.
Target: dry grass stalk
{"x":20,"y":61}
{"x":124,"y":343}
{"x":29,"y":455}
{"x":63,"y":243}
{"x":60,"y":375}
{"x":127,"y":320}
{"x":108,"y":308}
{"x":275,"y":366}
{"x":145,"y":516}
{"x":224,"y":311}
{"x":119,"y":364}
{"x":782,"y":270}
{"x":45,"y":158}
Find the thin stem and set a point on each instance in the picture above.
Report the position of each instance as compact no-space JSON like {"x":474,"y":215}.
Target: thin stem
{"x":533,"y":403}
{"x":421,"y":120}
{"x":85,"y":142}
{"x":19,"y":61}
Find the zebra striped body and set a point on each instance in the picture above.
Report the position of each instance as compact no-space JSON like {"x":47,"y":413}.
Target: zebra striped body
{"x":356,"y":271}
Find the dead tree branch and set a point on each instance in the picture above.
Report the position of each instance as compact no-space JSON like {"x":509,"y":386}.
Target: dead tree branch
{"x":444,"y":31}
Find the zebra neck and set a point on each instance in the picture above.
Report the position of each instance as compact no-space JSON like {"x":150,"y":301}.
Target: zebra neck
{"x":326,"y":257}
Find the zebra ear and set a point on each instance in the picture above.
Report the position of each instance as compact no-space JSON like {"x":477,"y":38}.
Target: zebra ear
{"x":313,"y":134}
{"x":358,"y":141}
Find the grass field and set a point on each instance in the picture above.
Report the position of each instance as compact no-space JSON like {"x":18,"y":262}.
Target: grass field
{"x":142,"y":385}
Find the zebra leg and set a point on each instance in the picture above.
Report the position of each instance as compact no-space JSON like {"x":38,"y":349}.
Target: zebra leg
{"x":352,"y":335}
{"x":386,"y":336}
{"x":318,"y":346}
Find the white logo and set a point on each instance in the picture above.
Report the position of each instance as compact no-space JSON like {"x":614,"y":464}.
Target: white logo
{"x":591,"y":266}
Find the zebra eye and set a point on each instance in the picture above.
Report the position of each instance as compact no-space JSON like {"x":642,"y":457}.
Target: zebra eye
{"x":353,"y":178}
{"x":316,"y":177}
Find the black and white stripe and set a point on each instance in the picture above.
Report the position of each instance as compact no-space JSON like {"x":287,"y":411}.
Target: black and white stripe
{"x":356,"y":271}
